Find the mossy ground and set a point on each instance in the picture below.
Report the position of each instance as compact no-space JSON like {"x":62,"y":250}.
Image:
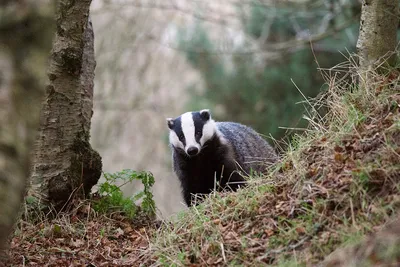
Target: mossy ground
{"x":337,"y":182}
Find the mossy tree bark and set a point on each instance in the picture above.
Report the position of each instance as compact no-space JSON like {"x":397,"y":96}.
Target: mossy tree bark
{"x":65,"y":165}
{"x":378,"y":32}
{"x":26,"y":30}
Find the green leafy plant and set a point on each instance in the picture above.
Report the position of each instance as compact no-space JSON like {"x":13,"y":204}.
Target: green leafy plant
{"x":112,"y":199}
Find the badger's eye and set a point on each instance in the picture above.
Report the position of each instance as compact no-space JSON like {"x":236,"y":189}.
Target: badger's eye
{"x":181,"y":136}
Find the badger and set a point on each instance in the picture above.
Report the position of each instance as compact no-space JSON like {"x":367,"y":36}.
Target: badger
{"x":209,"y":155}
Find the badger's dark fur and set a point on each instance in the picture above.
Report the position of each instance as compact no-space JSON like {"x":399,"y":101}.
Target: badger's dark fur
{"x":209,"y":155}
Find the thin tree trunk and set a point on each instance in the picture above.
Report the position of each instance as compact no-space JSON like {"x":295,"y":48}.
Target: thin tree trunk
{"x":64,"y":162}
{"x":378,"y":32}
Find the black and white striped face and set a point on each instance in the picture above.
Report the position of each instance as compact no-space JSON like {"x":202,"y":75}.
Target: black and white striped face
{"x":191,"y":131}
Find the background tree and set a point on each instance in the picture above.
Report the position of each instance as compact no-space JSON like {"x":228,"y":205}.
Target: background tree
{"x":65,"y":165}
{"x":378,"y":32}
{"x":26,"y":32}
{"x":26,"y":29}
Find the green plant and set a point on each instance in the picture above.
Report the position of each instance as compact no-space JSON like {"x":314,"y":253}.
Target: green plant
{"x":112,"y":198}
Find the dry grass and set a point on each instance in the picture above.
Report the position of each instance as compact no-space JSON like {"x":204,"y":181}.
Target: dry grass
{"x":336,"y":183}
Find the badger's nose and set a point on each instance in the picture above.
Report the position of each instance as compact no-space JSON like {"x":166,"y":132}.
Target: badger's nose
{"x":192,"y":151}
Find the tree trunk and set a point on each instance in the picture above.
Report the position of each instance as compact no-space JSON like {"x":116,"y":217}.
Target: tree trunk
{"x":26,"y":29}
{"x":65,"y":165}
{"x":12,"y":175}
{"x":378,"y":32}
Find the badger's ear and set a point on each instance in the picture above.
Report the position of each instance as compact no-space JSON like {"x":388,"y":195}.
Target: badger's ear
{"x":205,"y":114}
{"x":170,"y":122}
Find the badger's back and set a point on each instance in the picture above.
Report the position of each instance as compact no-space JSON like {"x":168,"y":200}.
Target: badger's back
{"x":251,"y":151}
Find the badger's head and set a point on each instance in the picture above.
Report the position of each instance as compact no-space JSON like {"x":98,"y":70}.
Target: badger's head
{"x":190,"y":131}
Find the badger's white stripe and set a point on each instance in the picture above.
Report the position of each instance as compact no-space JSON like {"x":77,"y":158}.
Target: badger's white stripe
{"x":188,"y":130}
{"x":208,"y":131}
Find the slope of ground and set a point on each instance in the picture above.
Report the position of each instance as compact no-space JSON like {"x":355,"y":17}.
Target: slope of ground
{"x":335,"y":184}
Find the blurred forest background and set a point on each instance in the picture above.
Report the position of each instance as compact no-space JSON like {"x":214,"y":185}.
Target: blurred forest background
{"x":245,"y":60}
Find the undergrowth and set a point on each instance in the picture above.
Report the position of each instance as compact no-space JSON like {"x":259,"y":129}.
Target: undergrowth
{"x":111,"y":199}
{"x":337,"y":182}
{"x":106,"y":230}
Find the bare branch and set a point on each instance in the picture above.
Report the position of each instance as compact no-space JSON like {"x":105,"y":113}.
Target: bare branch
{"x":292,"y":45}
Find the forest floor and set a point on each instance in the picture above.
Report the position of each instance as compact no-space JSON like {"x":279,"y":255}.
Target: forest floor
{"x":336,"y":189}
{"x":82,"y":237}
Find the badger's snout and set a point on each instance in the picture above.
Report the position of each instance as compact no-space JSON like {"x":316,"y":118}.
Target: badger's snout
{"x":192,"y":151}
